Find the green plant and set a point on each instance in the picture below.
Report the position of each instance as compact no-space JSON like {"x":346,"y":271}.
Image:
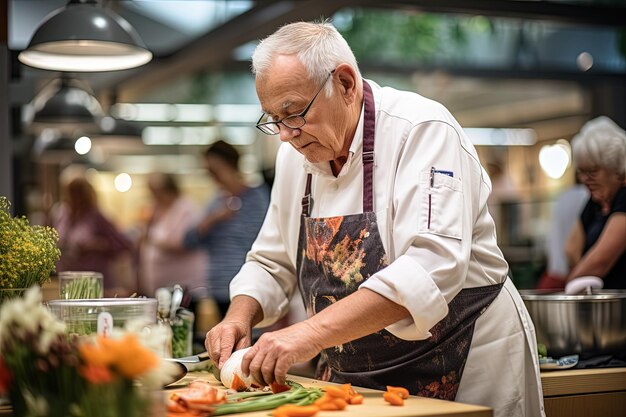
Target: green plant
{"x":28,"y":254}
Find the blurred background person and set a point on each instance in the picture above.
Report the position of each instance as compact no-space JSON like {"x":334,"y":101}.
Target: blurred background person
{"x":230,"y":223}
{"x":163,"y":261}
{"x":87,"y":239}
{"x":565,"y":213}
{"x":597,"y":244}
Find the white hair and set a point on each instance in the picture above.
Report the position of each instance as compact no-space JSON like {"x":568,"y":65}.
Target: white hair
{"x":601,"y":143}
{"x":318,"y":46}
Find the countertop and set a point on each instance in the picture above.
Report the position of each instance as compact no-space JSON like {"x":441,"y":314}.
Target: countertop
{"x":374,"y":405}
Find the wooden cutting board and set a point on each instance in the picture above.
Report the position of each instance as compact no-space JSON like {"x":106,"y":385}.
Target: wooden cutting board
{"x":373,"y":406}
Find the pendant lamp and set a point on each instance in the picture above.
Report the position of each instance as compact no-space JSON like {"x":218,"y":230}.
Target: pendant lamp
{"x":65,"y":102}
{"x":85,"y":37}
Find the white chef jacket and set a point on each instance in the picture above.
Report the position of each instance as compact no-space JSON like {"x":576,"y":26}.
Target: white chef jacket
{"x":430,"y":199}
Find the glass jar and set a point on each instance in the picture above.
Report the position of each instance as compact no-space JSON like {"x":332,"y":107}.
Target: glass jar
{"x":182,"y":333}
{"x":81,"y":316}
{"x":74,"y":285}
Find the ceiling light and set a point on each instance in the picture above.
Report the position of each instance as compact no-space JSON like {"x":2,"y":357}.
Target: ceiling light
{"x":82,"y":145}
{"x":64,"y":102}
{"x":85,"y":37}
{"x":554,"y":159}
{"x":123,"y":182}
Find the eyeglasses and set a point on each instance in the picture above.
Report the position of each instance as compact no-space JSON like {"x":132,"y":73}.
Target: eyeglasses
{"x":591,"y":173}
{"x":269,"y":126}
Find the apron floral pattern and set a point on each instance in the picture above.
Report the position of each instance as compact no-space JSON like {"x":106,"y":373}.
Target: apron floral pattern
{"x":336,"y":255}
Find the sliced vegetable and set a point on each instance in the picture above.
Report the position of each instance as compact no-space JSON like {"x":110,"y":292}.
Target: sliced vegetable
{"x":232,"y":367}
{"x":276,"y":387}
{"x":237,"y":384}
{"x":357,"y":399}
{"x":400,"y":391}
{"x":290,"y":410}
{"x":393,"y":398}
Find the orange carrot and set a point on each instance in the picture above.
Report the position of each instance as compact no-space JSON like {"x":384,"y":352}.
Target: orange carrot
{"x":400,"y":391}
{"x":335,"y":392}
{"x":321,"y":400}
{"x":357,"y":399}
{"x":392,"y":398}
{"x":292,"y":410}
{"x":328,"y":406}
{"x":276,"y":387}
{"x":348,"y":389}
{"x":238,"y":385}
{"x":340,"y":403}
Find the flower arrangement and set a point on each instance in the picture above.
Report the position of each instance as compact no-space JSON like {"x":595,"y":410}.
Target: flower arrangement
{"x":48,"y":373}
{"x":28,"y":254}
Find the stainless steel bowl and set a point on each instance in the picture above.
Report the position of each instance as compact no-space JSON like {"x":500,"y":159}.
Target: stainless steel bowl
{"x":593,"y":324}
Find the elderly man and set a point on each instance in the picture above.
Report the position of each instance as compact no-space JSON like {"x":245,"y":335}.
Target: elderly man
{"x":378,"y":214}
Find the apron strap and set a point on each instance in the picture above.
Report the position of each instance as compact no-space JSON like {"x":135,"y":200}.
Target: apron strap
{"x":368,"y":147}
{"x":369,"y":119}
{"x":307,"y":200}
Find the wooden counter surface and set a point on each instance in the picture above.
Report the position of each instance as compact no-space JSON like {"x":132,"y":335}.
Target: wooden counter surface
{"x":585,"y":392}
{"x":373,"y":405}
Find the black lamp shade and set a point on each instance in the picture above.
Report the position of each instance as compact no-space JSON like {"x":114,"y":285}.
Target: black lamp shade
{"x":85,"y":38}
{"x":66,"y":104}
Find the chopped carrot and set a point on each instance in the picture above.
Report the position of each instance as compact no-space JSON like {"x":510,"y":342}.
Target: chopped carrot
{"x":400,"y":391}
{"x":357,"y":399}
{"x":348,"y":389}
{"x":328,"y":406}
{"x":238,"y":385}
{"x":393,"y":399}
{"x":335,"y":392}
{"x":321,"y":400}
{"x":292,"y":410}
{"x":276,"y":387}
{"x":340,"y":403}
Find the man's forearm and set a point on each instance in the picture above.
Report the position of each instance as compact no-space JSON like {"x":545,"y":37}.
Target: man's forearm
{"x":245,"y":309}
{"x":360,"y":314}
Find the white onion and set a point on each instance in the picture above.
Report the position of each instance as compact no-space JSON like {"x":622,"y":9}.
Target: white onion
{"x":232,"y":367}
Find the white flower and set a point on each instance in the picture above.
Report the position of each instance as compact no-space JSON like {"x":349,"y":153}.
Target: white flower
{"x":37,"y":406}
{"x":27,"y":315}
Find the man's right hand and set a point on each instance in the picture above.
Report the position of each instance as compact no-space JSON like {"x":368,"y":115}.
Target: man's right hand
{"x":235,"y":331}
{"x":227,"y":336}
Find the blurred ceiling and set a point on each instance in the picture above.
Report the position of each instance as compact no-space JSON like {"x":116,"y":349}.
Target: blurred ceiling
{"x":191,"y":37}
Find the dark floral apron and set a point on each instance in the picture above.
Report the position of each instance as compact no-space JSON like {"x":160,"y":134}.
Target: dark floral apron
{"x":336,"y":255}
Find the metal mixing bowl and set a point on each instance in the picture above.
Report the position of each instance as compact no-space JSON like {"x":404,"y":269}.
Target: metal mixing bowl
{"x":593,"y":324}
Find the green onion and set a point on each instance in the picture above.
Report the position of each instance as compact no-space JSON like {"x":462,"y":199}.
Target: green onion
{"x":259,"y":402}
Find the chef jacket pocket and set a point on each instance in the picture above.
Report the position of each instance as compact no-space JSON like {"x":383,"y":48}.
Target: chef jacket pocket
{"x":441,"y":205}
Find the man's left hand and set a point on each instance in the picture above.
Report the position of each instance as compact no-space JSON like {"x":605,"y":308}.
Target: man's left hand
{"x":274,"y":353}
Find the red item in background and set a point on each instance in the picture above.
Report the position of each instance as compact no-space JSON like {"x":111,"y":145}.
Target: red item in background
{"x":551,"y":282}
{"x":5,"y":377}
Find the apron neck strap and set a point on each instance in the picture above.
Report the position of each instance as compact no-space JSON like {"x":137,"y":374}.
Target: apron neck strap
{"x":307,"y":200}
{"x":369,"y":118}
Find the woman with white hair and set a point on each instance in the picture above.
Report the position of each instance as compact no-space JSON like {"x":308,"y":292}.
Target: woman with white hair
{"x":597,"y":245}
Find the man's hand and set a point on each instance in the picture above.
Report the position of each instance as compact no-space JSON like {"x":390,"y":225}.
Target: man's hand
{"x":234,"y":332}
{"x":227,"y":336}
{"x":272,"y":356}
